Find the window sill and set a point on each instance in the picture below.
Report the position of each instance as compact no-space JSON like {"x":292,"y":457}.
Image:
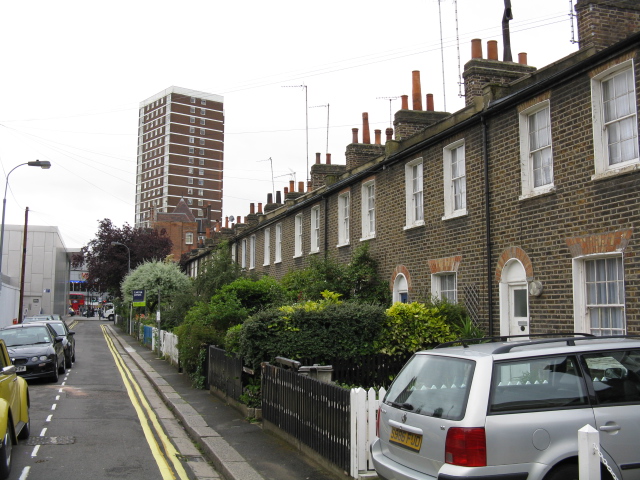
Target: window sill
{"x":342,"y":245}
{"x":364,"y":239}
{"x":297,"y":256}
{"x":415,"y":225}
{"x":277,"y":262}
{"x":266,"y":264}
{"x":456,"y":214}
{"x":538,"y":193}
{"x":614,"y":172}
{"x":313,"y":252}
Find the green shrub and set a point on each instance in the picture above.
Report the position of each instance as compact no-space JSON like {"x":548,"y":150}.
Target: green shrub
{"x":320,"y":330}
{"x":414,"y":326}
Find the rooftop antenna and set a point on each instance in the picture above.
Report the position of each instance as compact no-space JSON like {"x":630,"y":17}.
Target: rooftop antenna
{"x":292,"y":174}
{"x":572,"y":15}
{"x":444,"y":91}
{"x":460,"y":83}
{"x":273,"y":186}
{"x":327,"y":105}
{"x":306,"y":112}
{"x":391,"y":99}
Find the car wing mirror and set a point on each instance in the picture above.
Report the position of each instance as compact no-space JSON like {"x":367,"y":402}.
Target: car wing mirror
{"x":59,"y":339}
{"x":9,"y":370}
{"x":71,"y":332}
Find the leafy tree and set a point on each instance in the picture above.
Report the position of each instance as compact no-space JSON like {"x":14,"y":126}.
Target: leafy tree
{"x":363,"y":279}
{"x":153,"y":277}
{"x":217,"y":271}
{"x":108,"y":264}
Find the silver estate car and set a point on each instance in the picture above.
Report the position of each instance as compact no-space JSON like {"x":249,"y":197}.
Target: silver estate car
{"x":511,"y":410}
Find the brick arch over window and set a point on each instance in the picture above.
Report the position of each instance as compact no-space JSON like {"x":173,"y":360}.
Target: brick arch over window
{"x":511,"y":253}
{"x":449,"y":264}
{"x":400,"y":269}
{"x":599,"y":243}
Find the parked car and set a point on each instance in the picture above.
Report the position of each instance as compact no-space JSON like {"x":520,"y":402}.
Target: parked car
{"x":68,"y":337}
{"x":38,"y":318}
{"x":511,"y":409}
{"x":35,"y":349}
{"x":14,"y":410}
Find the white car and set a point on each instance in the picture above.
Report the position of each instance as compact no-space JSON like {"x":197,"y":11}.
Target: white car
{"x":511,"y":410}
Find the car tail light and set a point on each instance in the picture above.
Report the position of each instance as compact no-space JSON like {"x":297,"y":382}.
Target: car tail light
{"x":466,"y":447}
{"x":378,"y":413}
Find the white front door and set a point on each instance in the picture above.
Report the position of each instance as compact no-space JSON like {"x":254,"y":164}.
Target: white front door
{"x":514,"y":299}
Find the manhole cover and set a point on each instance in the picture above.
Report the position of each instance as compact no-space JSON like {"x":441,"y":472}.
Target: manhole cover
{"x":51,"y":441}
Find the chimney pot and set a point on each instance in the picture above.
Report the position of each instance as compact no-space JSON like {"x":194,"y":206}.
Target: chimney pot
{"x":301,"y":187}
{"x":429,"y":102}
{"x":239,"y":220}
{"x":269,"y":197}
{"x":492,"y":50}
{"x":416,"y":90}
{"x":292,"y":186}
{"x":405,"y":102}
{"x":366,"y":138}
{"x":317,"y":158}
{"x":328,"y":159}
{"x":389,"y":133}
{"x":252,"y":208}
{"x":309,"y":186}
{"x":522,"y":58}
{"x":354,"y":133}
{"x":476,"y":48}
{"x":378,"y":134}
{"x":226,"y":222}
{"x":286,"y":191}
{"x":278,"y":197}
{"x":260,"y":207}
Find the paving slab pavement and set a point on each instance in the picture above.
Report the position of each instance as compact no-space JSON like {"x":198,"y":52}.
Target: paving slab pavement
{"x":237,"y":448}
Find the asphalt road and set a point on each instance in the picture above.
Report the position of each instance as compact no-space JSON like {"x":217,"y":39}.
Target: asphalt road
{"x":99,"y":421}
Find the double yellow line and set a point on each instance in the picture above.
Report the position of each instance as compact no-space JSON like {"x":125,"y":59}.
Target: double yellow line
{"x":165,"y":455}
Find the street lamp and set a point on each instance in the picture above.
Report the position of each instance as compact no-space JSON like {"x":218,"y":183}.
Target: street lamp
{"x":128,"y":253}
{"x":44,"y":164}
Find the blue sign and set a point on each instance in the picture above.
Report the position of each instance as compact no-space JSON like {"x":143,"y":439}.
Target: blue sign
{"x":138,"y":298}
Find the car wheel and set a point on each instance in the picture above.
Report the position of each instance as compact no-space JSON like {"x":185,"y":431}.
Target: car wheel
{"x":26,"y":430}
{"x":111,"y":318}
{"x":5,"y":453}
{"x":563,"y":472}
{"x":69,"y":360}
{"x":55,"y":375}
{"x":63,"y":366}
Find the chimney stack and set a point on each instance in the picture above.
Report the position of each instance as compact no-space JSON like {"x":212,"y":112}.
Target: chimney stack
{"x":416,"y":90}
{"x":366,"y":138}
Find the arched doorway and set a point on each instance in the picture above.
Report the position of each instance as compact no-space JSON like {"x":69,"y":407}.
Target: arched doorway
{"x":514,"y":299}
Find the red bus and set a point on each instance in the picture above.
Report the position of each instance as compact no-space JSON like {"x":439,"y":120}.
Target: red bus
{"x":76,"y":300}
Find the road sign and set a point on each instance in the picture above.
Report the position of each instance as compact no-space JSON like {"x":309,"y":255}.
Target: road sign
{"x":139,"y":298}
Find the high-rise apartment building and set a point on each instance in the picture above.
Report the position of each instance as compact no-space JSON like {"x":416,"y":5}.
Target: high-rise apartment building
{"x":180,"y":154}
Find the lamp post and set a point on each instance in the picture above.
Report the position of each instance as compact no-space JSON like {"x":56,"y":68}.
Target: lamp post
{"x":44,"y":164}
{"x":128,"y":271}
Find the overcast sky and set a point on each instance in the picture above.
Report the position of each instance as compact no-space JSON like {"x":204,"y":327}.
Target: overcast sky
{"x":74,"y":73}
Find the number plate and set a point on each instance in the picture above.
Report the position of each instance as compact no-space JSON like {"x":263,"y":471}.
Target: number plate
{"x":21,"y":369}
{"x":409,"y":440}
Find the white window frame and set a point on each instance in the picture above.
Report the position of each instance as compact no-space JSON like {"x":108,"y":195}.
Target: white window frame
{"x":527,"y":175}
{"x":368,"y":216}
{"x":451,"y":183}
{"x":243,"y":254}
{"x":414,"y":213}
{"x":267,"y":246}
{"x":580,"y":306}
{"x":190,"y":181}
{"x":315,"y":229}
{"x":438,"y":290}
{"x":344,"y":208}
{"x":278,"y":253}
{"x":252,"y":252}
{"x":600,"y":129}
{"x":298,"y":227}
{"x":188,"y":238}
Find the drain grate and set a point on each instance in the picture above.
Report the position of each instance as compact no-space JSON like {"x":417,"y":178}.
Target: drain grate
{"x":51,"y":441}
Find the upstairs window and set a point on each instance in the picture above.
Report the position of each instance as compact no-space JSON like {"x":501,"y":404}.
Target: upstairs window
{"x":615,"y":123}
{"x":298,"y":236}
{"x":455,"y":180}
{"x":414,"y":199}
{"x":315,"y":229}
{"x":368,"y":210}
{"x":267,"y":246}
{"x":536,"y":156}
{"x":278,"y":252}
{"x":343,"y":219}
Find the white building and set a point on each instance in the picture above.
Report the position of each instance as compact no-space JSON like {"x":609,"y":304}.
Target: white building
{"x":46,"y":275}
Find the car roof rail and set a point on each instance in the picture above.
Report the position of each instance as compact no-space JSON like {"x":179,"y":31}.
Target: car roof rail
{"x":503,"y":338}
{"x":570,"y":341}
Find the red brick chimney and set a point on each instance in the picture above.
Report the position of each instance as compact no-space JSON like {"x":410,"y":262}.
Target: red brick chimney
{"x":601,"y":23}
{"x":366,"y":138}
{"x":416,"y":90}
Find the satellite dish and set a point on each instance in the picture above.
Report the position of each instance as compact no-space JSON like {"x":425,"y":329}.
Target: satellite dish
{"x":232,"y":218}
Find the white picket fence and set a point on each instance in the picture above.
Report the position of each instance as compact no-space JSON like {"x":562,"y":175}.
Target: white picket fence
{"x":364,"y":408}
{"x":168,"y":344}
